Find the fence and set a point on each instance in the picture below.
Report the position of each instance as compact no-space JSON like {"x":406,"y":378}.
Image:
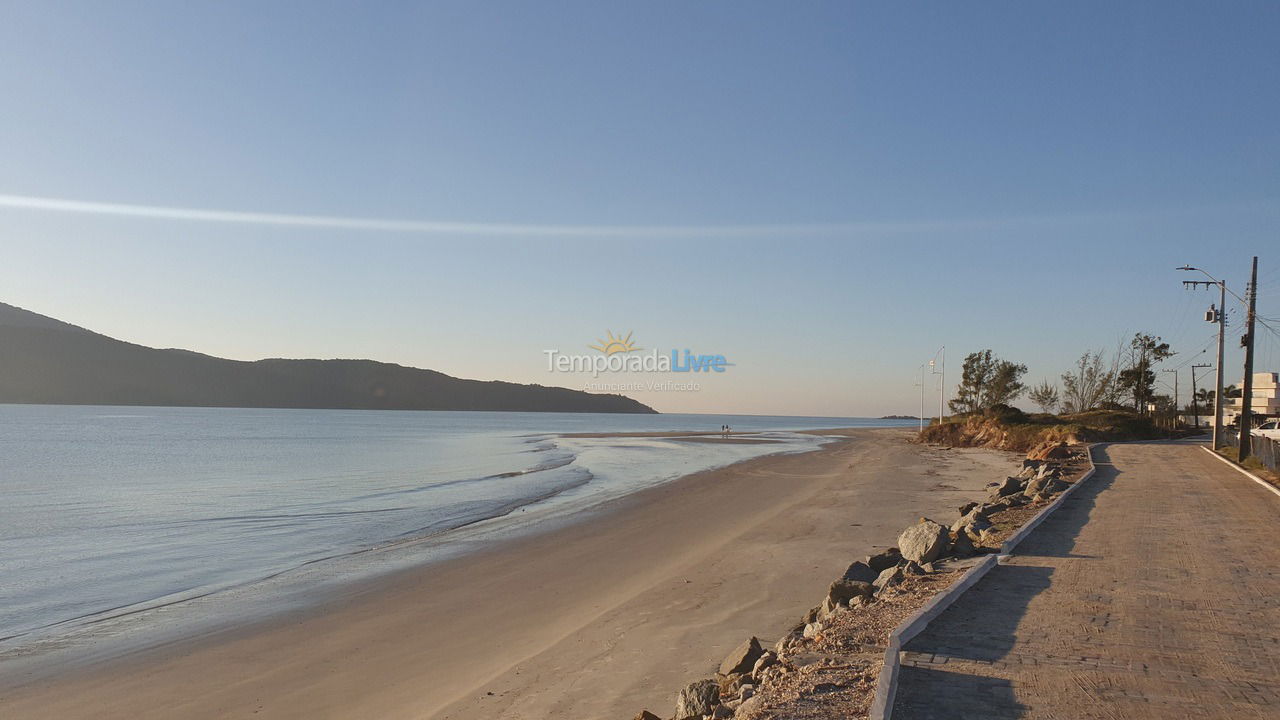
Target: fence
{"x":1265,"y":449}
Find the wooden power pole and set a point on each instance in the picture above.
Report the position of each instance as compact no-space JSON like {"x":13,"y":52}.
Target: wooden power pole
{"x":1246,"y":395}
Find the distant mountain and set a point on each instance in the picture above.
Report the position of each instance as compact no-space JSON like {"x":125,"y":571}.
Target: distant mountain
{"x":47,"y":361}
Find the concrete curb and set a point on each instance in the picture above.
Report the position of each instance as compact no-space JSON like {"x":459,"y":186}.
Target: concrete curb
{"x":887,"y":682}
{"x":1007,"y":547}
{"x":1248,"y":474}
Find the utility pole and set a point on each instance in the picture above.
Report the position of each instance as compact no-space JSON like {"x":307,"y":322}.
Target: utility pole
{"x":1218,"y":314}
{"x":1246,"y":395}
{"x":1175,"y":394}
{"x":940,"y":369}
{"x":921,"y":385}
{"x":1195,"y":403}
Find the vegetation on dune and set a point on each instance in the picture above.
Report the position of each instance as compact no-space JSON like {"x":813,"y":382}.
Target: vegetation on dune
{"x":1008,"y":428}
{"x":1100,"y":401}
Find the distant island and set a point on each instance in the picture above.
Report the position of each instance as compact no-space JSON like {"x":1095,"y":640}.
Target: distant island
{"x":899,"y":417}
{"x":47,"y":361}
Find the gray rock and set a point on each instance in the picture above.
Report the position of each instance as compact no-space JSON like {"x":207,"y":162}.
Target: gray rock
{"x":750,"y":705}
{"x":962,"y":545}
{"x":924,"y":541}
{"x":766,"y":660}
{"x":912,"y":568}
{"x":830,"y":608}
{"x":975,"y":527}
{"x":842,"y":591}
{"x":1010,"y":486}
{"x":967,"y":508}
{"x":812,"y":630}
{"x":743,"y":657}
{"x":721,"y":712}
{"x":730,"y":684}
{"x":788,"y":641}
{"x":859,"y":571}
{"x":890,"y":577}
{"x":1034,"y":486}
{"x":697,"y":699}
{"x":886,"y":559}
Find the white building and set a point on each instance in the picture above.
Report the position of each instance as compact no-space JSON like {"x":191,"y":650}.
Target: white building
{"x":1266,"y":397}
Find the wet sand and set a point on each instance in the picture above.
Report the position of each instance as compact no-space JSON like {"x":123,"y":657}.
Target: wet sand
{"x":599,"y":618}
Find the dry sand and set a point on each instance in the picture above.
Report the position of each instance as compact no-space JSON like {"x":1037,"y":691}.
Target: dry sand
{"x":594,"y":620}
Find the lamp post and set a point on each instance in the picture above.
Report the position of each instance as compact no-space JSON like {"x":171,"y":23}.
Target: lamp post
{"x":1215,"y":314}
{"x":940,"y":369}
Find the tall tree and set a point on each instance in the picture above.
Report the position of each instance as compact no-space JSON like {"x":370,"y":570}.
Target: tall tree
{"x":1086,"y":387}
{"x":1139,"y":378}
{"x":1045,"y":395}
{"x":986,"y":380}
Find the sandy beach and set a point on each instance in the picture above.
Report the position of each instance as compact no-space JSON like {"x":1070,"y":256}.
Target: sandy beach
{"x":597,"y":619}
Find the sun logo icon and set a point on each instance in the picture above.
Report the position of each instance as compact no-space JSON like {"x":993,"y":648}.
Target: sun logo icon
{"x":615,"y":344}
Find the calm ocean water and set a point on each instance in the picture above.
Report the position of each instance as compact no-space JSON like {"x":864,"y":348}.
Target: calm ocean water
{"x":110,"y":512}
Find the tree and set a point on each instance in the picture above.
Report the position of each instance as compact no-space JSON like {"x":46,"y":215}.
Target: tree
{"x":1139,"y":378}
{"x":1044,"y":395}
{"x":1086,"y":387}
{"x":986,"y":380}
{"x":1207,"y":395}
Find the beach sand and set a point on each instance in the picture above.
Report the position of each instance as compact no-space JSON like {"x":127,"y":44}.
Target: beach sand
{"x":596,"y":619}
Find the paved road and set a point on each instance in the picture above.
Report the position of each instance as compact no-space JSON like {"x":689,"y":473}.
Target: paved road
{"x":1153,"y":592}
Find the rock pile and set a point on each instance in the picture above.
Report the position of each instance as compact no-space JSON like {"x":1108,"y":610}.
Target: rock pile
{"x":733,"y":691}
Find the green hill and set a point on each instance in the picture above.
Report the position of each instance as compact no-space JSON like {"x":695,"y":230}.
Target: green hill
{"x":46,"y":361}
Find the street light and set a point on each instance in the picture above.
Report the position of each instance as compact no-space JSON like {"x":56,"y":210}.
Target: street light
{"x":940,"y":369}
{"x":1219,"y":313}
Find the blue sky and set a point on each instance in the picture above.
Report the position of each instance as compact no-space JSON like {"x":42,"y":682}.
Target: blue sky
{"x":1019,"y":176}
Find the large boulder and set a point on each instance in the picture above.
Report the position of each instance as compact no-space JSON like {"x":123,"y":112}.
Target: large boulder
{"x":923,"y":542}
{"x":884,"y":560}
{"x":743,"y":657}
{"x":1010,"y":486}
{"x":1034,"y":486}
{"x":860,"y":571}
{"x":842,"y":591}
{"x":697,"y":699}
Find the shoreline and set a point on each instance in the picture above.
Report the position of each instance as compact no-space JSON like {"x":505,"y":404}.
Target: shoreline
{"x":639,"y":580}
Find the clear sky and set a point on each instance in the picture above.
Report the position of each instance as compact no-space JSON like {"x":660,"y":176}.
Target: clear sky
{"x":823,"y":193}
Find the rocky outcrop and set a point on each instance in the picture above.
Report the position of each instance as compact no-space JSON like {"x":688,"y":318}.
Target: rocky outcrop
{"x":697,"y":699}
{"x":923,"y":542}
{"x":743,"y":658}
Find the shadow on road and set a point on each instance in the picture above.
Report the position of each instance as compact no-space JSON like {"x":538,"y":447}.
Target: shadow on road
{"x":942,"y":695}
{"x":982,"y":625}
